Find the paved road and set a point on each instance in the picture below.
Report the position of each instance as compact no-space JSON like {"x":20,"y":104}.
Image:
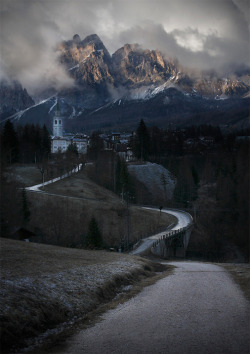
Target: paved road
{"x":37,"y":187}
{"x":198,"y":309}
{"x":184,"y":219}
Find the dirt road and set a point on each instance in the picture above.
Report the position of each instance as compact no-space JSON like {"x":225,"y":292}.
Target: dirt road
{"x":198,"y":309}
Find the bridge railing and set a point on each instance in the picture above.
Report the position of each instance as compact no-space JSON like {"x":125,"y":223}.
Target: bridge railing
{"x":172,"y":234}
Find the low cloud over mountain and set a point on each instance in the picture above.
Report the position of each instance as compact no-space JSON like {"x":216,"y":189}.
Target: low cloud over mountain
{"x":204,"y":34}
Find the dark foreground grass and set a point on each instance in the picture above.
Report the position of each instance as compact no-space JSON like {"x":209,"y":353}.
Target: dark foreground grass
{"x":56,"y":343}
{"x":240,"y":272}
{"x":46,"y":290}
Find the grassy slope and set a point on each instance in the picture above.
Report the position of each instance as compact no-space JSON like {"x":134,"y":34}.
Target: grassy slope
{"x":45,"y":286}
{"x":27,"y":174}
{"x":78,"y":199}
{"x":48,"y":287}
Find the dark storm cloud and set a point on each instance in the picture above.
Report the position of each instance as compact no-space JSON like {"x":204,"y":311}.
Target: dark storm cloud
{"x":201,"y":33}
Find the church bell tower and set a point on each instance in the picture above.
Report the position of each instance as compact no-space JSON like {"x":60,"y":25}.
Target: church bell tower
{"x":57,"y":123}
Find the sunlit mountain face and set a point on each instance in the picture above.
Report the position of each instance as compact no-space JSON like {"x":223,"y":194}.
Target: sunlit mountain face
{"x":111,"y":91}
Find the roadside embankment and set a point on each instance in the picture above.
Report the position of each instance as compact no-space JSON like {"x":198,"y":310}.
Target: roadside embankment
{"x":45,"y":289}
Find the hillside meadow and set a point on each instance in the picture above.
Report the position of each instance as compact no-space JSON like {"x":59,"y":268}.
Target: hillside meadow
{"x":61,"y":214}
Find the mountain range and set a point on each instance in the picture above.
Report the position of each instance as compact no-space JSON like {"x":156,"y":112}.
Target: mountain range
{"x":116,"y":91}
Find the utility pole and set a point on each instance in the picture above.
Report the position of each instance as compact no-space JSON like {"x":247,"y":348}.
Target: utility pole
{"x":42,"y":172}
{"x":194,"y":213}
{"x":122,"y":193}
{"x":127,"y":220}
{"x":114,"y":161}
{"x":128,"y":197}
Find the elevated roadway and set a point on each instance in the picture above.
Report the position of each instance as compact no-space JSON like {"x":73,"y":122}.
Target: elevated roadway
{"x":184,"y":223}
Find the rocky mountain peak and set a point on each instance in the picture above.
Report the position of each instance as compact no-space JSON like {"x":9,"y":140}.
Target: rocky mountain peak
{"x":94,"y":40}
{"x":133,"y":67}
{"x":13,"y":97}
{"x":136,"y":65}
{"x":76,"y":38}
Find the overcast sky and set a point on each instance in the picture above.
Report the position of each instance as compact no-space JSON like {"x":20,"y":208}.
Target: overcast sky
{"x":205,"y":34}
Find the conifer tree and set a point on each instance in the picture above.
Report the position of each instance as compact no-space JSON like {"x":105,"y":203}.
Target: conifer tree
{"x":94,"y":237}
{"x":72,"y":149}
{"x":25,"y":208}
{"x":142,"y":144}
{"x":10,"y":143}
{"x":124,"y":176}
{"x":46,"y":142}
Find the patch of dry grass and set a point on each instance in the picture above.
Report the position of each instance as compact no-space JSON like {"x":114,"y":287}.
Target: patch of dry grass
{"x":80,"y":186}
{"x":27,"y":175}
{"x":45,"y":289}
{"x":125,"y":293}
{"x":241,"y":275}
{"x":63,"y":218}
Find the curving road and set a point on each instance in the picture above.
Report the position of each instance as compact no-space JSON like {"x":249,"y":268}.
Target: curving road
{"x":37,"y":187}
{"x":198,"y":309}
{"x":184,"y":219}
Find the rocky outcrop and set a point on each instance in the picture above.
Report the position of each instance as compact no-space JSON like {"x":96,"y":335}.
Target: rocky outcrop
{"x":13,"y":97}
{"x":132,"y":67}
{"x":132,"y":84}
{"x":135,"y":66}
{"x":220,"y":88}
{"x":87,"y":61}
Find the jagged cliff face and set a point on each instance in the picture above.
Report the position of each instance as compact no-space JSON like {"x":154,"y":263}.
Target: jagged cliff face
{"x":87,"y":61}
{"x":134,"y":66}
{"x":13,"y":97}
{"x":133,"y":83}
{"x":131,"y":68}
{"x":220,"y":87}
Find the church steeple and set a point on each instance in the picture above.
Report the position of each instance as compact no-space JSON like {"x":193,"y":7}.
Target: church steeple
{"x":57,"y":122}
{"x":57,"y":113}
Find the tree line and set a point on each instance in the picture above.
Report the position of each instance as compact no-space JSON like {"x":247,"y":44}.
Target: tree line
{"x":212,"y":184}
{"x":154,"y":143}
{"x":26,"y":144}
{"x":215,"y":187}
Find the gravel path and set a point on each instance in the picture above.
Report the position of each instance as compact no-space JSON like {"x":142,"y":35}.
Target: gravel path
{"x":198,"y":309}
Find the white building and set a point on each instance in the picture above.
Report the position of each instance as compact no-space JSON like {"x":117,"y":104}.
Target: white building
{"x":57,"y":124}
{"x":60,"y":142}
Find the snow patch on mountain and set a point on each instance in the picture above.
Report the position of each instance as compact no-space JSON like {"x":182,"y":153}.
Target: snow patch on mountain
{"x":74,"y":67}
{"x":102,"y":107}
{"x":148,"y":92}
{"x":222,"y":97}
{"x":51,"y":108}
{"x":73,"y":114}
{"x":19,"y":114}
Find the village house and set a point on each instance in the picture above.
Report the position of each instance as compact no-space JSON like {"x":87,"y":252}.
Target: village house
{"x":119,"y":142}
